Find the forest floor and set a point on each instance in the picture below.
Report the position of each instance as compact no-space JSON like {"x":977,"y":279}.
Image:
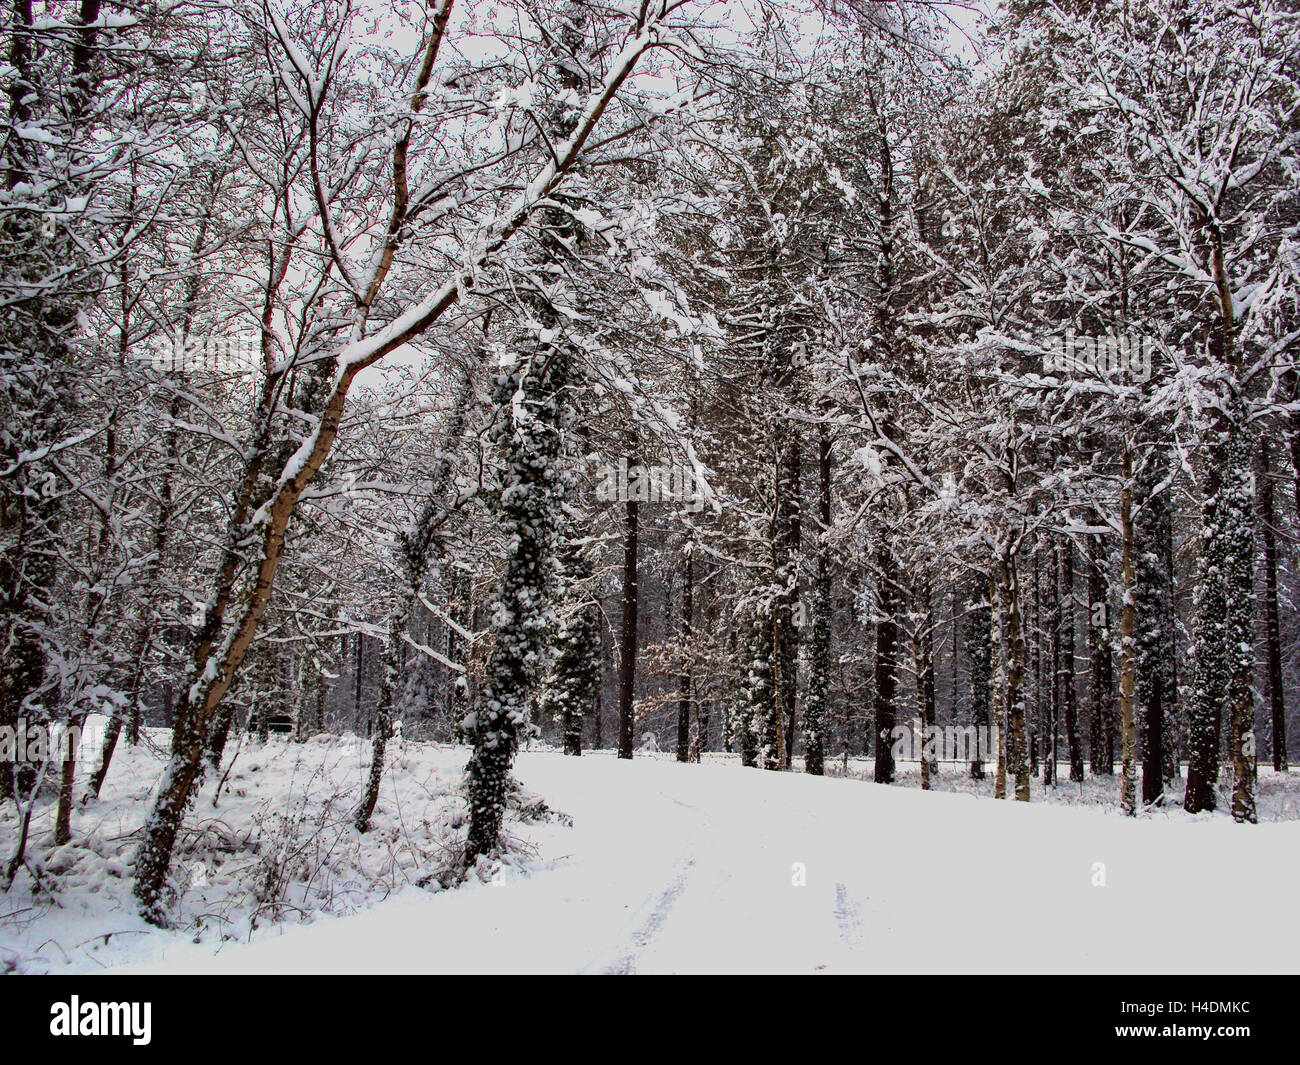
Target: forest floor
{"x":651,"y":866}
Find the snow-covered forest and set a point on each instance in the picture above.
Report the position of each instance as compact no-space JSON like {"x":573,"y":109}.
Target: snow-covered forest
{"x":423,"y":423}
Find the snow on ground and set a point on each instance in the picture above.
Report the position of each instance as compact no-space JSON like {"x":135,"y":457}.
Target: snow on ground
{"x":277,"y":847}
{"x":667,"y":868}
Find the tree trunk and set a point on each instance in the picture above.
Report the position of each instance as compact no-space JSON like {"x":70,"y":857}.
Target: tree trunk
{"x":1056,"y":651}
{"x":1073,"y":741}
{"x":1017,"y":740}
{"x":886,"y":667}
{"x":816,"y":698}
{"x":999,"y":704}
{"x":1128,"y":641}
{"x":530,"y":508}
{"x":1101,"y":689}
{"x":1155,"y":650}
{"x":979,"y":651}
{"x":627,"y":647}
{"x":1276,"y":694}
{"x":685,"y":679}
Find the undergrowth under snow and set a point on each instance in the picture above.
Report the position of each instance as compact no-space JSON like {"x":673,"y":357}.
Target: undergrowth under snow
{"x":275,"y":845}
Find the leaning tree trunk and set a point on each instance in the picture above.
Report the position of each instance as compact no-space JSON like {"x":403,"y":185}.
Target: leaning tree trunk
{"x":415,"y":548}
{"x":222,"y":643}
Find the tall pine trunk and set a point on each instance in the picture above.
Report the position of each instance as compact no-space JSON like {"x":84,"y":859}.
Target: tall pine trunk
{"x":979,"y":650}
{"x":816,"y":699}
{"x":1070,"y":709}
{"x":627,"y":642}
{"x":1017,"y":746}
{"x":1276,"y":694}
{"x":1155,"y":646}
{"x":886,"y":667}
{"x":686,"y":678}
{"x":1128,"y":644}
{"x":1101,"y":686}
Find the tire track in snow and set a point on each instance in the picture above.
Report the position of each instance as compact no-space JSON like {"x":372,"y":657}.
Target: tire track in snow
{"x":654,"y":920}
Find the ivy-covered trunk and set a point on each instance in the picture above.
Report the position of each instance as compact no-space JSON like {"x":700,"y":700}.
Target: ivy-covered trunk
{"x":1273,"y":625}
{"x":529,"y":507}
{"x":574,"y":688}
{"x":1224,"y":612}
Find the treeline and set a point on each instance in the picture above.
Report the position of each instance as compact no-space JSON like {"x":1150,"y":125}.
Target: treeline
{"x":599,"y":370}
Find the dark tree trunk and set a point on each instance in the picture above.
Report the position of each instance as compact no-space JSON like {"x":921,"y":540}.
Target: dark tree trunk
{"x":530,"y":507}
{"x":1101,"y":693}
{"x":789,"y":535}
{"x":686,"y":679}
{"x":1056,"y":644}
{"x":598,"y":711}
{"x":1069,"y":704}
{"x":816,"y":699}
{"x":886,"y":668}
{"x":1155,"y":664}
{"x":925,"y":680}
{"x":1276,"y":696}
{"x":1037,"y":665}
{"x":1017,"y":739}
{"x":1128,"y":644}
{"x":979,"y":650}
{"x":360,"y":672}
{"x":627,"y":648}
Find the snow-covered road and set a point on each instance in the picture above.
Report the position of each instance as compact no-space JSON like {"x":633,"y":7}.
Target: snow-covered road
{"x":689,"y":868}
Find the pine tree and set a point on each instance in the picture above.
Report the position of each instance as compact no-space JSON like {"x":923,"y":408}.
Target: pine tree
{"x":1155,"y":685}
{"x":1273,"y":625}
{"x":817,"y":697}
{"x":978,"y":635}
